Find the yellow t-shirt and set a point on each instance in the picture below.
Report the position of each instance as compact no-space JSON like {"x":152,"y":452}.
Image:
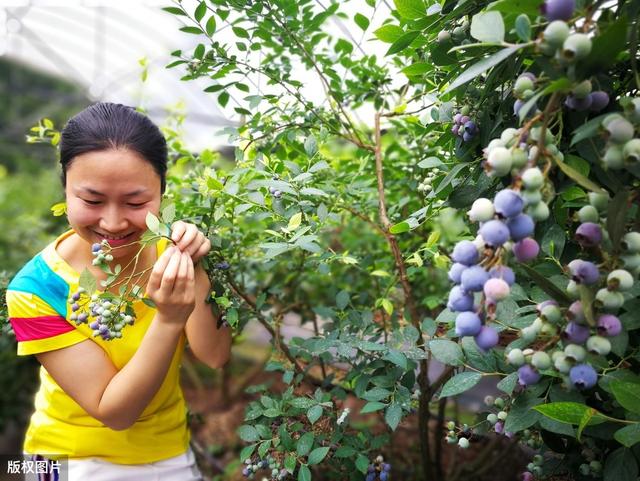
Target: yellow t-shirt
{"x":37,"y":300}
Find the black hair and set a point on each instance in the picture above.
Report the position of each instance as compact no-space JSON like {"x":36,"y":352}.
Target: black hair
{"x":104,"y":126}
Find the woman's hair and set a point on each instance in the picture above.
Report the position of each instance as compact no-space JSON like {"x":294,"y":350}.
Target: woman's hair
{"x":104,"y":126}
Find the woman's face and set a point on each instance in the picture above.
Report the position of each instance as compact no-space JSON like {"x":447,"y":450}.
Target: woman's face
{"x":108,"y":195}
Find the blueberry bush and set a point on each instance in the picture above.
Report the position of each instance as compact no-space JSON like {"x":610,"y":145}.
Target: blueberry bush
{"x":448,"y":181}
{"x":490,"y":146}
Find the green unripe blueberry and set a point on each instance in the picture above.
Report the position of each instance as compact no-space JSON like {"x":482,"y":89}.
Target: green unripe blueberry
{"x":599,"y":201}
{"x":509,"y":135}
{"x":631,"y":242}
{"x":541,"y":360}
{"x":532,"y":178}
{"x":522,"y":84}
{"x":599,"y":345}
{"x":451,"y":425}
{"x":609,"y":300}
{"x":458,"y":33}
{"x":452,"y":440}
{"x":537,"y":471}
{"x":613,"y":158}
{"x":502,"y":415}
{"x":493,"y":143}
{"x":588,"y":213}
{"x":531,"y":197}
{"x":631,"y":151}
{"x":582,"y":89}
{"x":556,"y":33}
{"x":572,"y":290}
{"x":499,"y":402}
{"x":620,"y":280}
{"x":575,"y":352}
{"x":562,"y":364}
{"x":576,"y":46}
{"x":584,"y":469}
{"x":492,"y":418}
{"x":596,"y":466}
{"x":536,"y":135}
{"x":518,"y":158}
{"x":499,"y":159}
{"x":631,"y":262}
{"x":538,"y":460}
{"x":548,"y":330}
{"x":463,"y":443}
{"x":481,"y":210}
{"x":539,"y":211}
{"x":515,"y":357}
{"x":528,"y":334}
{"x":619,"y":130}
{"x":551,"y":313}
{"x":444,"y":36}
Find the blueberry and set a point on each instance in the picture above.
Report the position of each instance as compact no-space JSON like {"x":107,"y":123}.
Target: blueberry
{"x":526,"y":250}
{"x":496,"y":289}
{"x":503,"y":272}
{"x":619,"y":280}
{"x":556,"y":33}
{"x":578,"y":104}
{"x":500,"y":161}
{"x":583,"y":376}
{"x":527,"y":375}
{"x":457,"y":117}
{"x":455,"y":272}
{"x":384,"y":476}
{"x":455,"y":130}
{"x":599,"y":345}
{"x":576,"y":333}
{"x":631,"y":242}
{"x":558,"y":9}
{"x":584,"y":272}
{"x":468,"y":324}
{"x":576,"y":313}
{"x":599,"y":100}
{"x":481,"y":210}
{"x":508,"y":203}
{"x":467,"y":137}
{"x":96,"y":247}
{"x":576,"y":46}
{"x":532,"y":178}
{"x":487,"y":338}
{"x":465,"y":252}
{"x":588,"y":234}
{"x":459,"y":300}
{"x":471,"y":127}
{"x":619,"y":130}
{"x":386,"y":467}
{"x":517,"y":105}
{"x":588,"y":213}
{"x":631,"y":151}
{"x":541,"y":360}
{"x":520,"y":226}
{"x":473,"y":278}
{"x":515,"y":357}
{"x":463,"y":443}
{"x":609,"y":325}
{"x":494,"y":233}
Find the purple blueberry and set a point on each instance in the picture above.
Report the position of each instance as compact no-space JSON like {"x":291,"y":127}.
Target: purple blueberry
{"x":579,"y":104}
{"x":457,"y":117}
{"x":75,"y":296}
{"x":465,"y":252}
{"x":520,"y":226}
{"x":467,"y":137}
{"x":527,"y":476}
{"x":384,"y":476}
{"x":95,"y":325}
{"x":526,"y":249}
{"x":498,"y":427}
{"x":223,"y":266}
{"x":517,"y":105}
{"x":473,"y":278}
{"x":455,"y":272}
{"x":471,"y":127}
{"x":576,"y":333}
{"x":508,"y":203}
{"x":455,"y":129}
{"x":609,"y":325}
{"x":558,"y":9}
{"x":468,"y":323}
{"x":589,"y":234}
{"x":246,"y":472}
{"x":96,"y":247}
{"x":486,"y":338}
{"x":583,"y":376}
{"x":543,"y":304}
{"x":599,"y":100}
{"x":584,"y":272}
{"x":527,"y":375}
{"x":503,"y":272}
{"x":494,"y":232}
{"x":464,"y":119}
{"x":459,"y":300}
{"x":576,"y":313}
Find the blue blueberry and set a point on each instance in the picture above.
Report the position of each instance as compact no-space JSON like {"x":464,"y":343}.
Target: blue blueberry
{"x":503,"y":272}
{"x":459,"y":300}
{"x":465,"y":252}
{"x":520,"y":226}
{"x":455,"y":272}
{"x":583,"y":376}
{"x":468,"y":324}
{"x":473,"y":278}
{"x":494,"y":232}
{"x":508,"y":203}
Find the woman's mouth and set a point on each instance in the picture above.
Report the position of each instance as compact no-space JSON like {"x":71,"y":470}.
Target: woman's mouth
{"x":115,"y":241}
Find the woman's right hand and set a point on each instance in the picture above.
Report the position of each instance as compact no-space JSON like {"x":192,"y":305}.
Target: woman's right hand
{"x":171,"y":287}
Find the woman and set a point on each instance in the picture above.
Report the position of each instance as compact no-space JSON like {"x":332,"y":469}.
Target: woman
{"x":115,"y":407}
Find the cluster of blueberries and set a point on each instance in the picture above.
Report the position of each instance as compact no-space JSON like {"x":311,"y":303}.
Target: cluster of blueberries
{"x":622,"y":148}
{"x":253,"y":466}
{"x":378,"y":470}
{"x":477,"y":267}
{"x":464,"y":127}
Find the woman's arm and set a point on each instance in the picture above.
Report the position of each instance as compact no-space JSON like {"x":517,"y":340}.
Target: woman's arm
{"x":210,"y":345}
{"x":118,"y":398}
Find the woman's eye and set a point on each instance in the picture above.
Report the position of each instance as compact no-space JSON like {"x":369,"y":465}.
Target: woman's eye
{"x":136,"y":205}
{"x":91,"y":202}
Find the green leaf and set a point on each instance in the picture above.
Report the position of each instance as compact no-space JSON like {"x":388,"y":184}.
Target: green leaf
{"x":376,"y":394}
{"x":588,"y":129}
{"x":460,"y":383}
{"x":153,"y":223}
{"x":628,"y":435}
{"x":400,"y":227}
{"x":621,"y":465}
{"x":528,"y":7}
{"x":240,"y":32}
{"x":487,"y":27}
{"x":169,"y":213}
{"x":314,"y":413}
{"x":389,"y":33}
{"x":482,"y":66}
{"x":546,"y":285}
{"x":508,"y":383}
{"x":452,"y":174}
{"x":248,"y":433}
{"x":317,"y":455}
{"x":304,"y":474}
{"x":192,"y":30}
{"x":87,"y":281}
{"x":570,"y":413}
{"x":342,"y":299}
{"x":210,"y":27}
{"x":223,"y":98}
{"x":290,"y":462}
{"x":201,"y":9}
{"x":304,"y":444}
{"x":403,"y":42}
{"x":523,"y":27}
{"x":553,"y":241}
{"x":417,"y":68}
{"x":372,"y":406}
{"x":362,"y":463}
{"x":247,"y":451}
{"x":627,"y":394}
{"x":311,"y":146}
{"x":447,"y":352}
{"x":174,"y":11}
{"x":397,"y":358}
{"x":361,"y":21}
{"x":295,"y":221}
{"x":410,"y":9}
{"x":393,"y":415}
{"x":577,"y":176}
{"x":302,"y":402}
{"x":616,"y":213}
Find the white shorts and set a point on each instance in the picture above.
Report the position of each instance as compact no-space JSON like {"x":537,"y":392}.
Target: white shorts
{"x":178,"y":468}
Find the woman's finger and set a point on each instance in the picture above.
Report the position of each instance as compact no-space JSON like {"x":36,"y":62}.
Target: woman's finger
{"x":170,"y":273}
{"x":158,"y":269}
{"x":177,"y":230}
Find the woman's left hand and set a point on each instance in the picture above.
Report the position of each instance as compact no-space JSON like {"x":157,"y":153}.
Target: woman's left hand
{"x":190,"y":240}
